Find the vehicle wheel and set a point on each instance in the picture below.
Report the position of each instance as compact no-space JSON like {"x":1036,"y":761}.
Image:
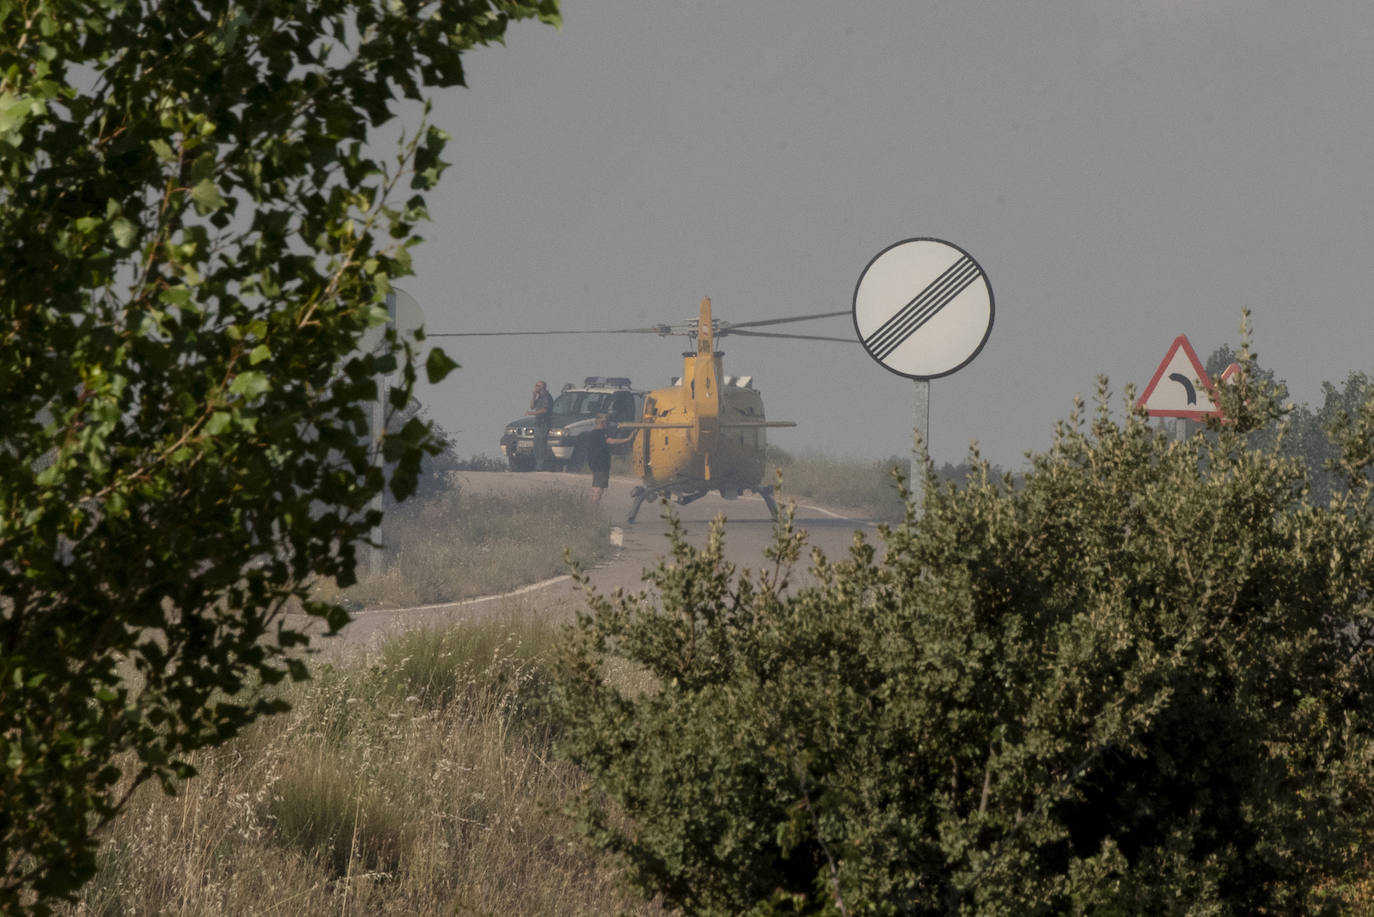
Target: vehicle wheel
{"x":577,"y":460}
{"x":521,"y":463}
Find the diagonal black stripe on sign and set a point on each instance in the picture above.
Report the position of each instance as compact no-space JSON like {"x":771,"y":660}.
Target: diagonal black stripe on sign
{"x":915,"y":313}
{"x":909,"y":319}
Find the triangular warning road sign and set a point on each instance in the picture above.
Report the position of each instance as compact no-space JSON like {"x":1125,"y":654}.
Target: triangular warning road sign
{"x":1180,"y":387}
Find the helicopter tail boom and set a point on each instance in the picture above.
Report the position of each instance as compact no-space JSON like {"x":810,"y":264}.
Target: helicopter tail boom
{"x":755,"y":424}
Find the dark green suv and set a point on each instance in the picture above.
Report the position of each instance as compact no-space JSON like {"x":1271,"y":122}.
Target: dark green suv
{"x":574,"y":413}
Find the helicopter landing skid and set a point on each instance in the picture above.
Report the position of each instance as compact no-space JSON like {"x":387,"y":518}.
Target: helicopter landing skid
{"x":767,"y":494}
{"x":640,"y":494}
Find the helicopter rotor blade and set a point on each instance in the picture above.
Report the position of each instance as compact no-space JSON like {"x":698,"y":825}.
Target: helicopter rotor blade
{"x":689,"y":328}
{"x":795,"y":337}
{"x":731,"y":326}
{"x":657,"y":329}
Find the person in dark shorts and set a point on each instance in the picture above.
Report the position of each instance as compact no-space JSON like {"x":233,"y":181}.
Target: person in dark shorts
{"x":597,"y":443}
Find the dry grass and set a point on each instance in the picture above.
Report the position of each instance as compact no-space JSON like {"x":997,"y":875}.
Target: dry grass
{"x":416,"y":780}
{"x":455,"y":546}
{"x":861,"y":488}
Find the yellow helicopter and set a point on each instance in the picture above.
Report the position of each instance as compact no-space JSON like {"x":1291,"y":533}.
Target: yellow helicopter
{"x":706,"y":432}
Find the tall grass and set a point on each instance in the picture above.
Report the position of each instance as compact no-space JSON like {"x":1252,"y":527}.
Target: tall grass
{"x":453,"y":546}
{"x":414,"y":780}
{"x":862,"y":488}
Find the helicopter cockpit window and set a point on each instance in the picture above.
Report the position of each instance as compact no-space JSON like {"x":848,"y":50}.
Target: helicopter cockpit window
{"x":623,"y":407}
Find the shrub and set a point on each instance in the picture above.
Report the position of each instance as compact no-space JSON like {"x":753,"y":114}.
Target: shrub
{"x":1139,"y":681}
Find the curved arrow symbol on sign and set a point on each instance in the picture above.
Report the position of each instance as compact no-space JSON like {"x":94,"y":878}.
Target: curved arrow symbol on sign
{"x":1187,"y":384}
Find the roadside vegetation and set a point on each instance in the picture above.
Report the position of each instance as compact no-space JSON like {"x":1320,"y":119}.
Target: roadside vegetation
{"x":864,"y":488}
{"x":416,"y":780}
{"x":1137,"y":680}
{"x":190,"y":346}
{"x":1134,"y":680}
{"x":448,"y":545}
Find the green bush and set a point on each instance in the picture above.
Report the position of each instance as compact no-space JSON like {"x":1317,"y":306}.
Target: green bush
{"x":1139,"y":681}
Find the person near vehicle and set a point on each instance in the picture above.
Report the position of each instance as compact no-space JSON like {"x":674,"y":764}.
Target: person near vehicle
{"x":597,"y":443}
{"x":541,"y":409}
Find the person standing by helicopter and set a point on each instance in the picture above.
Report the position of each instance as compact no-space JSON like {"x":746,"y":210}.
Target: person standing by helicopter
{"x":597,"y":444}
{"x":541,"y":409}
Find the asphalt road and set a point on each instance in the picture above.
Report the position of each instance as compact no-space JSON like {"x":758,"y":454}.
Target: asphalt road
{"x":748,"y":530}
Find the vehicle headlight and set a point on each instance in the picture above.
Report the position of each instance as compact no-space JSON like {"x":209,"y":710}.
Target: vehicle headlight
{"x":557,"y":434}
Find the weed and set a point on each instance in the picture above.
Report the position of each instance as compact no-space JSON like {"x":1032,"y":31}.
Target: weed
{"x":864,"y":488}
{"x":414,"y":780}
{"x":324,"y":809}
{"x":454,"y":546}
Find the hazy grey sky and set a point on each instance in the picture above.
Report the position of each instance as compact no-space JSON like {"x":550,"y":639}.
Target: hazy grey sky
{"x":1124,"y":172}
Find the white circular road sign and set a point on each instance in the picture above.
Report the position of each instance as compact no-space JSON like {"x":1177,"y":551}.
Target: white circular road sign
{"x":923,"y":308}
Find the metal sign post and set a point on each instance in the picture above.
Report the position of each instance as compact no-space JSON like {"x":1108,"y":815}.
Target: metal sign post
{"x":917,"y":483}
{"x":923,"y":309}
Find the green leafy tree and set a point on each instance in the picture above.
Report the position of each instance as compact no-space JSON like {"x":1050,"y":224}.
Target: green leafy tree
{"x":1220,"y":359}
{"x":196,"y":238}
{"x":1309,"y":435}
{"x":1299,"y":430}
{"x":1139,"y":681}
{"x":1264,"y":435}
